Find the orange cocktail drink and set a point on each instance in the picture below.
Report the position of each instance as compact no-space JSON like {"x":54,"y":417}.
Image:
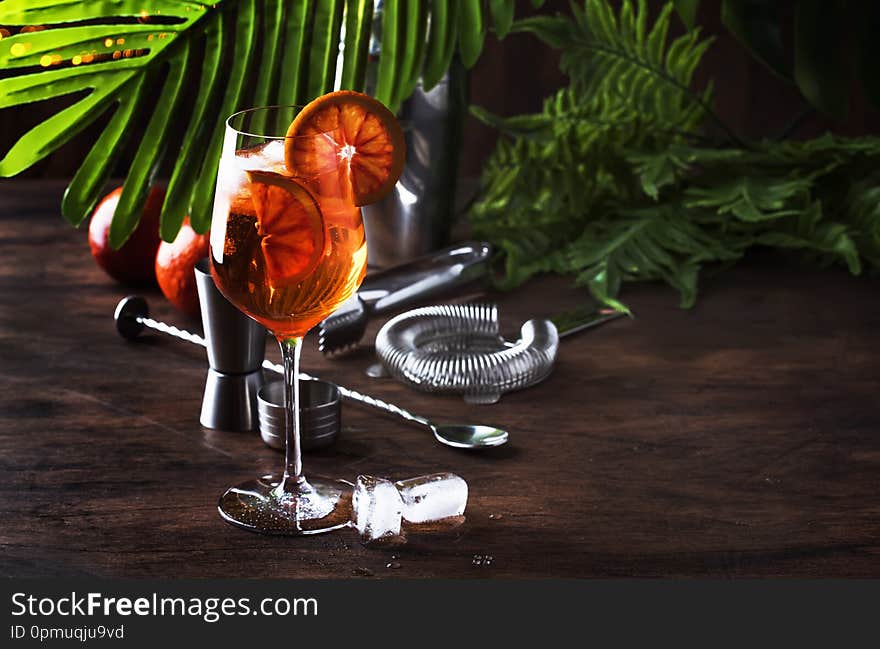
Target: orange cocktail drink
{"x":293,"y":249}
{"x":287,"y":249}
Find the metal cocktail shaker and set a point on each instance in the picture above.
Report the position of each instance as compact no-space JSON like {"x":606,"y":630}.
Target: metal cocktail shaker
{"x":236,"y":348}
{"x":417,"y":216}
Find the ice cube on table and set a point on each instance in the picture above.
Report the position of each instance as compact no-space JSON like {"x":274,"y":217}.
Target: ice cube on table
{"x":377,"y":508}
{"x":432,"y":497}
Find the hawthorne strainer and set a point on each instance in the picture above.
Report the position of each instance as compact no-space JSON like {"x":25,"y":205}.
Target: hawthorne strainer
{"x":458,"y":348}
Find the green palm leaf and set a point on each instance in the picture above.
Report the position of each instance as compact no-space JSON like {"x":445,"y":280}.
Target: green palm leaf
{"x":392,"y":16}
{"x":153,"y":144}
{"x":113,"y":63}
{"x":471,"y":31}
{"x":358,"y":20}
{"x":180,"y":187}
{"x":233,"y":100}
{"x":88,"y":182}
{"x":324,"y":47}
{"x":442,"y":40}
{"x":126,"y":63}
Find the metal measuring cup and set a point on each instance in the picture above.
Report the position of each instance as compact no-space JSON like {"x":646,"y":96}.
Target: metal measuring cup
{"x":236,"y":347}
{"x":320,"y":413}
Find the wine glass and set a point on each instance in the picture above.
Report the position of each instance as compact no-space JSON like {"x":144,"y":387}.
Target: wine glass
{"x":286,"y":249}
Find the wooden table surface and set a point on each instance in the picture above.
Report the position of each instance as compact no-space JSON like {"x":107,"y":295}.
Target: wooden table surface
{"x":738,"y":438}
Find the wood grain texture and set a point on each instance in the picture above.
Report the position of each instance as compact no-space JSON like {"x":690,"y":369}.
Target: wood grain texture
{"x":739,"y":438}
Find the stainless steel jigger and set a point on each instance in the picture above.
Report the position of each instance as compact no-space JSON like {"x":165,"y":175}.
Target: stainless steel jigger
{"x":236,"y":348}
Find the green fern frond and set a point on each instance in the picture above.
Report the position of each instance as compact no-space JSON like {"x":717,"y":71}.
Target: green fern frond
{"x":613,"y":60}
{"x":613,"y":182}
{"x":647,"y":244}
{"x":861,"y":211}
{"x":750,"y":198}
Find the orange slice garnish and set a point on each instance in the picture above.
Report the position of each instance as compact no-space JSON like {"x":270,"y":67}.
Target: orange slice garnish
{"x":351,"y":134}
{"x":290,"y":225}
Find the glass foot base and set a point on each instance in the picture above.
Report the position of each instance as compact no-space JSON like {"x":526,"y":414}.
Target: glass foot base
{"x":303,"y":506}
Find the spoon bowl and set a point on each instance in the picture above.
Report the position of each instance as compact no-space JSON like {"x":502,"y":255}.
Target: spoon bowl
{"x":470,"y":436}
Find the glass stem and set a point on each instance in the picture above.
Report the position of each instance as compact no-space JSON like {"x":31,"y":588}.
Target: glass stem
{"x":290,"y":351}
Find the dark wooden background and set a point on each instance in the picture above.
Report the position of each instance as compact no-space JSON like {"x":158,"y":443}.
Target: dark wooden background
{"x":740,"y":438}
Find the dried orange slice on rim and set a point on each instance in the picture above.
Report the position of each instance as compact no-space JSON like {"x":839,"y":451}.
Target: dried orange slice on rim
{"x":350,"y":132}
{"x":290,"y":225}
